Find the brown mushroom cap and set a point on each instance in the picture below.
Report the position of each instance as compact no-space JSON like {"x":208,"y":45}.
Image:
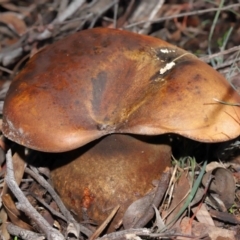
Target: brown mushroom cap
{"x":101,"y":81}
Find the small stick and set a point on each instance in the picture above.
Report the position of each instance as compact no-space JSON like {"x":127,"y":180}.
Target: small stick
{"x":49,"y":208}
{"x":79,"y":228}
{"x":193,"y":13}
{"x":23,"y":233}
{"x":25,"y":206}
{"x":104,"y":224}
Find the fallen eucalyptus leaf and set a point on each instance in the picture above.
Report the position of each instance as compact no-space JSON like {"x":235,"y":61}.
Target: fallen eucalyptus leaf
{"x":136,"y":210}
{"x":223,"y":184}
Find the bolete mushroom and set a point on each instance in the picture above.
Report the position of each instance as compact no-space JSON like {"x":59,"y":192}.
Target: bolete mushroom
{"x":106,"y":84}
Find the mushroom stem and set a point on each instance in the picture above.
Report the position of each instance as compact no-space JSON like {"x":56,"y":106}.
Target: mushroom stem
{"x":115,"y":170}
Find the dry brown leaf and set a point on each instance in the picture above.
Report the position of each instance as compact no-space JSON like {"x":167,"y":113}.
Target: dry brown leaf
{"x":223,"y":184}
{"x":3,"y":226}
{"x":212,"y":165}
{"x":201,"y":229}
{"x":136,"y":210}
{"x":19,"y":164}
{"x":9,"y":6}
{"x":224,"y":216}
{"x":203,"y":215}
{"x":180,"y":192}
{"x":13,"y":213}
{"x":14,"y":22}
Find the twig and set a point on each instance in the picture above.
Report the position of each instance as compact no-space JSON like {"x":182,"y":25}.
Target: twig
{"x":23,"y":233}
{"x":116,"y":6}
{"x":156,"y":9}
{"x":1,"y":106}
{"x":18,"y":64}
{"x":125,"y":234}
{"x":104,"y":224}
{"x":173,"y":235}
{"x":73,"y":7}
{"x":7,"y":57}
{"x":33,"y":172}
{"x":6,"y":70}
{"x":4,"y":89}
{"x":146,"y":233}
{"x":102,"y":12}
{"x":12,"y":51}
{"x":227,"y":63}
{"x":24,"y":205}
{"x":121,"y":20}
{"x":230,"y":50}
{"x":227,"y":103}
{"x":193,"y":13}
{"x":54,"y":212}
